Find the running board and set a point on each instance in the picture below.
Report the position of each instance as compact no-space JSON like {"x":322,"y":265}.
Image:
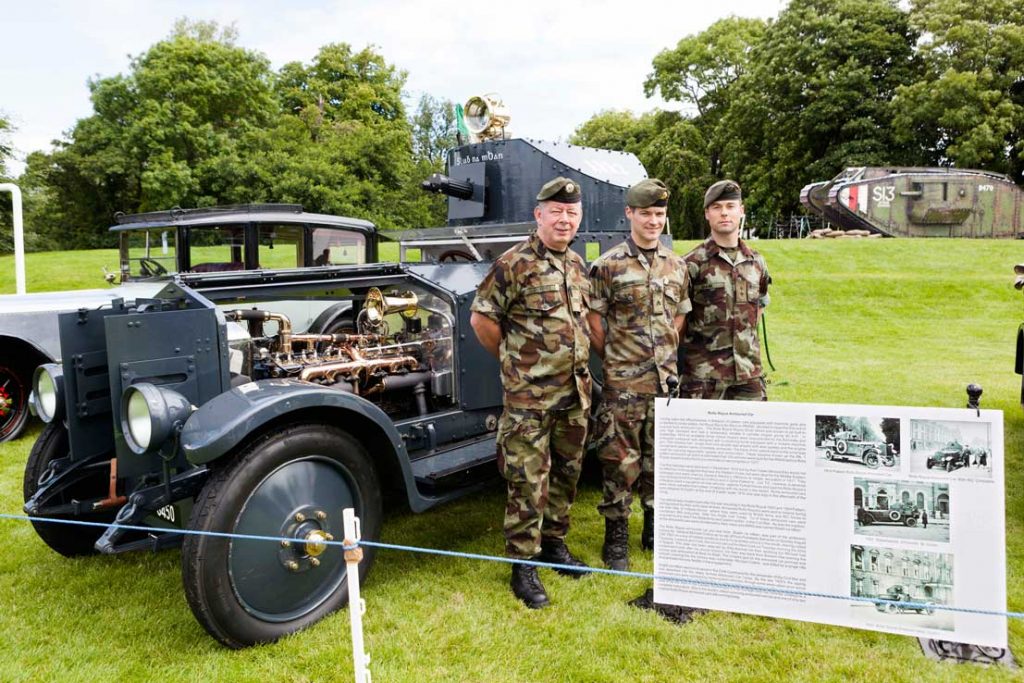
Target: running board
{"x":456,"y":466}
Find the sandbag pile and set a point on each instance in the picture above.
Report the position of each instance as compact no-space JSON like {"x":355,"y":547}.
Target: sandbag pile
{"x":823,"y":233}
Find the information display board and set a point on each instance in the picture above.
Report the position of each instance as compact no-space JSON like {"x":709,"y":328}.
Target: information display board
{"x":760,"y":504}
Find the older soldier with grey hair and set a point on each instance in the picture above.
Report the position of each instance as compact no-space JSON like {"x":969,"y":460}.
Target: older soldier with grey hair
{"x":530,"y":312}
{"x":638,"y":304}
{"x":721,"y":353}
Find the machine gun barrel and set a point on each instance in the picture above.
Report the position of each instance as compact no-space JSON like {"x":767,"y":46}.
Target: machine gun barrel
{"x":442,"y":184}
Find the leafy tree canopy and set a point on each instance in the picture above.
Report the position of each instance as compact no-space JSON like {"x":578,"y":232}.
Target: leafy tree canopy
{"x":818,"y":97}
{"x":198,"y":121}
{"x":968,"y":108}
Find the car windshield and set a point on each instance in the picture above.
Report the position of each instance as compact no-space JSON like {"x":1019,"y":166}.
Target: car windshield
{"x":153,"y":252}
{"x":148,"y":254}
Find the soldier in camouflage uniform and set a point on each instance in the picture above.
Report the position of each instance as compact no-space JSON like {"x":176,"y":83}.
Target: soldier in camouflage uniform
{"x":530,"y":312}
{"x":721,"y":354}
{"x":638,"y":304}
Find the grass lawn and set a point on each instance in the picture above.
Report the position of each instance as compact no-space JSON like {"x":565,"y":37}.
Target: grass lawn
{"x":901,"y":322}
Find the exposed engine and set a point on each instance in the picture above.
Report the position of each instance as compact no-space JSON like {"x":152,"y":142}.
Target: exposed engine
{"x":402,"y":370}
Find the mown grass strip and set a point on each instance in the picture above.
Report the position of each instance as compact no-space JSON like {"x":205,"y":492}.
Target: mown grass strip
{"x":904,"y":322}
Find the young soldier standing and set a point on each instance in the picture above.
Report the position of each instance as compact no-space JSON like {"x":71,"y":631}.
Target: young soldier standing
{"x":729,"y":289}
{"x":530,"y":312}
{"x":639,"y":295}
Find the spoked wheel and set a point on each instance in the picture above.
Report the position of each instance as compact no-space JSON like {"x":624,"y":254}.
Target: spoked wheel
{"x":871,"y":459}
{"x":292,"y":484}
{"x":67,"y":539}
{"x":456,"y":256}
{"x":828,"y":454}
{"x":888,"y":459}
{"x":13,"y":403}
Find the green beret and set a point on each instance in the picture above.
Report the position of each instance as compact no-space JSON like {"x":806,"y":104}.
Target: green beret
{"x":722,"y":191}
{"x":649,"y":192}
{"x":561,"y":190}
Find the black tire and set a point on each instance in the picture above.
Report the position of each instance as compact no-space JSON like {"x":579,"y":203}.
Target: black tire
{"x":828,"y":454}
{"x":929,"y":464}
{"x":888,"y":459}
{"x":335,"y":320}
{"x":910,"y":521}
{"x":257,"y":494}
{"x":841,"y":447}
{"x":871,"y":459}
{"x":15,"y":378}
{"x":67,"y":539}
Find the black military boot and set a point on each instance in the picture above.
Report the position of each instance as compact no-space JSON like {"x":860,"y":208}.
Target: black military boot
{"x":554,"y":551}
{"x":615,"y":552}
{"x":527,"y":587}
{"x":647,"y":535}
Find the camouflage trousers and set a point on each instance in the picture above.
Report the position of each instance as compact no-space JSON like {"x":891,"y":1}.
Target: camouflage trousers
{"x":625,"y":448}
{"x":540,"y":454}
{"x":751,"y":390}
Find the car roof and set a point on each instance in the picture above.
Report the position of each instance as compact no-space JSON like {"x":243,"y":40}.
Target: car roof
{"x":239,"y":213}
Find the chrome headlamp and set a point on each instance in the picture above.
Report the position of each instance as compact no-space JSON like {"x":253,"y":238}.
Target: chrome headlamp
{"x":150,"y":414}
{"x":48,"y":392}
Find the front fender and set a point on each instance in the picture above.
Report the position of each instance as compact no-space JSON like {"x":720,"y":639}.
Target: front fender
{"x":224,"y":422}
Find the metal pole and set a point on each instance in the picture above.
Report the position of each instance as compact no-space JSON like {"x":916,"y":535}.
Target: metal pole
{"x":19,"y":236}
{"x":356,"y":605}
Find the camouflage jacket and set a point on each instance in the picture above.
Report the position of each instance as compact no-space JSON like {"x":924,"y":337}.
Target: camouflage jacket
{"x":540,"y":299}
{"x":639,"y":303}
{"x":721,"y":340}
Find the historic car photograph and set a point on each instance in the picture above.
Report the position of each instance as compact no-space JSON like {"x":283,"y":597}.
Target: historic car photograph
{"x":901,"y":587}
{"x":857,"y":443}
{"x":916,"y":510}
{"x":961,"y":449}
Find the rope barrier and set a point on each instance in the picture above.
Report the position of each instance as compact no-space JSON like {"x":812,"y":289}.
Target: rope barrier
{"x":549,"y":565}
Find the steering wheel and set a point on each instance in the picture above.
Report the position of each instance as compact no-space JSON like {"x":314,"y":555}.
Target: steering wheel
{"x":151,"y":267}
{"x":456,"y":255}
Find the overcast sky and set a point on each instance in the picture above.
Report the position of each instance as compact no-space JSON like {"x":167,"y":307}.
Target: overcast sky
{"x":554,"y":63}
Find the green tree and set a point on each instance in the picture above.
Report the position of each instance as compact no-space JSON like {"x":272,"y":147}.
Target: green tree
{"x":6,"y":225}
{"x":615,"y":129}
{"x":701,"y":71}
{"x":157,"y":134}
{"x":670,"y":146}
{"x":817,"y":98}
{"x":343,"y":143}
{"x":434,"y":130}
{"x":968,"y":108}
{"x":6,"y":150}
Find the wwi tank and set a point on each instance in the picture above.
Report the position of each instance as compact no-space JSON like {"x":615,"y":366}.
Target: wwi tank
{"x":920,"y":202}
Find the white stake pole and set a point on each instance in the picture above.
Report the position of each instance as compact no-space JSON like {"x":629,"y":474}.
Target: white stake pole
{"x":356,"y":605}
{"x":19,"y":236}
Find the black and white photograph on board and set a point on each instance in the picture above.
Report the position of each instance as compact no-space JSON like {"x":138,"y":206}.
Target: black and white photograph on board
{"x":857,"y":443}
{"x":891,"y":576}
{"x":917,"y":510}
{"x":953,"y":448}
